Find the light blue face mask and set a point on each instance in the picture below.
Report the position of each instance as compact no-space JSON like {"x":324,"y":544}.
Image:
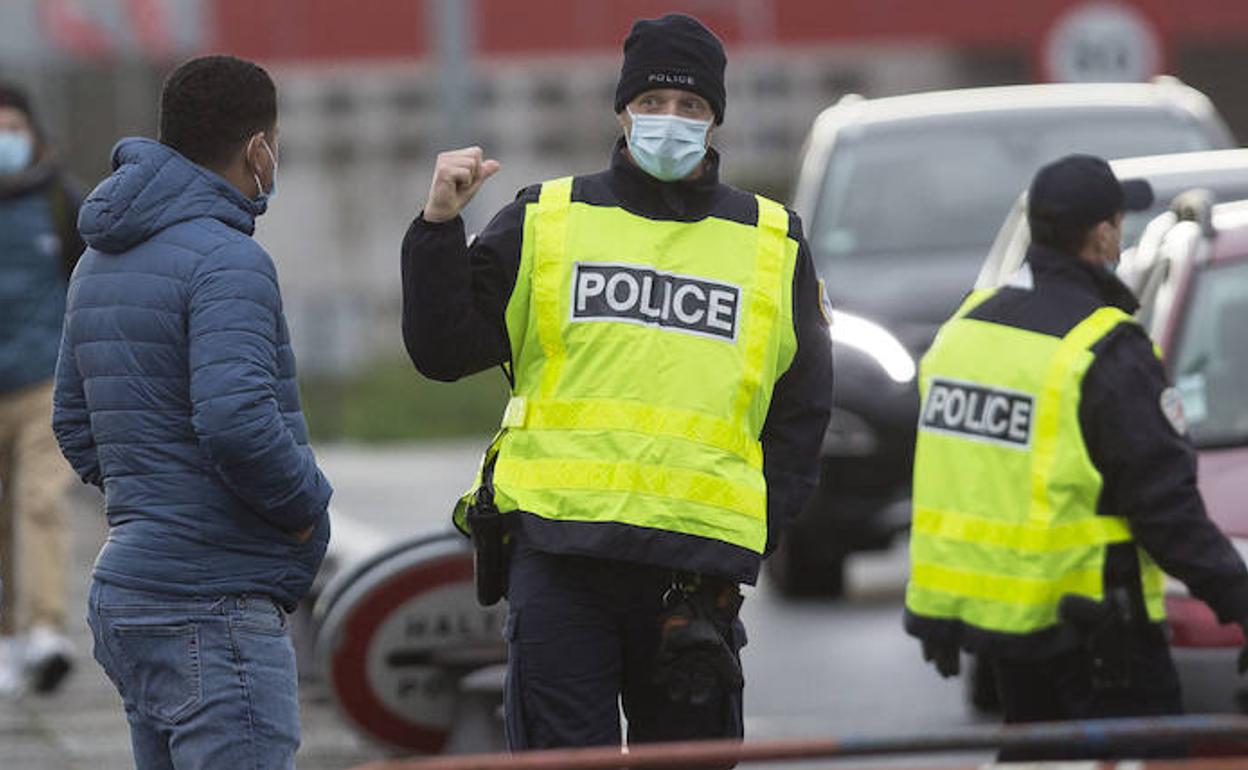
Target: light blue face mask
{"x":266,"y":196}
{"x":16,"y":149}
{"x":667,"y":147}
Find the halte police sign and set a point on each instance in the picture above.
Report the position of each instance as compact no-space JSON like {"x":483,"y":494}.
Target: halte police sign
{"x":967,"y":410}
{"x":399,"y":633}
{"x":631,"y":294}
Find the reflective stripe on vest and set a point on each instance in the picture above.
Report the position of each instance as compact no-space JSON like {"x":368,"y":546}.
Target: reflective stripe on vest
{"x":703,"y":308}
{"x":1005,"y":494}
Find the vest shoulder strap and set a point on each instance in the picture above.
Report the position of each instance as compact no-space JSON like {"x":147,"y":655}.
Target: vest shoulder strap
{"x":553,"y":205}
{"x":556,"y":192}
{"x":1072,"y":352}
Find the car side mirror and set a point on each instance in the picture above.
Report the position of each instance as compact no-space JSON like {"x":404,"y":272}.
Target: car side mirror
{"x":1195,"y":205}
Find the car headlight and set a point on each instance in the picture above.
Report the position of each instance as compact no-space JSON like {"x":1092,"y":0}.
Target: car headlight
{"x":848,"y":435}
{"x":875,"y":341}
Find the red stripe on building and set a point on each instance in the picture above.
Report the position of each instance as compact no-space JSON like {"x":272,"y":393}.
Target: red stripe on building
{"x":151,"y":24}
{"x":372,"y":29}
{"x":318,"y":29}
{"x":71,"y":29}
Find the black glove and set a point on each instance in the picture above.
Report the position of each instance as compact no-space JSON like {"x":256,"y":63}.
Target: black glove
{"x":695,"y":661}
{"x":1242,"y":665}
{"x":945,"y":656}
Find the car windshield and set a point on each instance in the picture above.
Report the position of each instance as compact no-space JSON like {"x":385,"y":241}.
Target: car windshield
{"x":946,"y":183}
{"x":1210,"y":361}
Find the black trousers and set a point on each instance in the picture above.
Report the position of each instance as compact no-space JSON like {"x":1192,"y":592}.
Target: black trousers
{"x":582,"y":637}
{"x":1061,"y":688}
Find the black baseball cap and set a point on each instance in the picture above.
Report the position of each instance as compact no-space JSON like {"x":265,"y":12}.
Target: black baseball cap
{"x":1080,"y":191}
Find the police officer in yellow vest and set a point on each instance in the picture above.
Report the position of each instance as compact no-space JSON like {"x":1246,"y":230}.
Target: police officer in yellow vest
{"x":1053,"y":483}
{"x":671,"y":382}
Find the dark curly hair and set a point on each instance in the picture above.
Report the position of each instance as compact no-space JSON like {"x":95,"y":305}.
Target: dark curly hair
{"x":211,"y":105}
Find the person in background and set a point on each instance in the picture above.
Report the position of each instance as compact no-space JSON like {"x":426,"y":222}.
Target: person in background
{"x":39,"y":246}
{"x":175,"y":393}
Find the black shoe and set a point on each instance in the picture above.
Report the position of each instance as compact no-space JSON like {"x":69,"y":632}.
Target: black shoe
{"x":47,"y":659}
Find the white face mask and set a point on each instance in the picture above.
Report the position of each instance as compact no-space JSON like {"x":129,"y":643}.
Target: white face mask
{"x":16,"y":149}
{"x":667,"y":147}
{"x":267,"y":195}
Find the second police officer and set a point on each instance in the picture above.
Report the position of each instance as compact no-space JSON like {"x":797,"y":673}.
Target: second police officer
{"x":1053,"y":482}
{"x":671,"y":382}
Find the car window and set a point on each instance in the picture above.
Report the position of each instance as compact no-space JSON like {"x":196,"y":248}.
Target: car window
{"x":1209,"y":362}
{"x":945,"y":184}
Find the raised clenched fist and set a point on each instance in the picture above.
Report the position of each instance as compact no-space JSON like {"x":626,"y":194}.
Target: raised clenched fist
{"x":457,"y":176}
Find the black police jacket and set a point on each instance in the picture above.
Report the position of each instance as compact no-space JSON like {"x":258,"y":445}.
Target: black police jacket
{"x":1148,"y":468}
{"x":455,"y":296}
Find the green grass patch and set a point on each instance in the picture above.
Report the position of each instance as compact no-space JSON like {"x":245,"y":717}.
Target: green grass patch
{"x":391,"y":401}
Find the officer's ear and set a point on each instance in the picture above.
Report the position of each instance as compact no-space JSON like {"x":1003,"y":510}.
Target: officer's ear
{"x":1106,"y":239}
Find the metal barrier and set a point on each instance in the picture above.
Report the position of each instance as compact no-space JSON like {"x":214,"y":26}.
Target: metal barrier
{"x":1225,"y":730}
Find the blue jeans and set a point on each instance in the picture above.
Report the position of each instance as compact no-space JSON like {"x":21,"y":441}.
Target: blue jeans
{"x":206,"y":682}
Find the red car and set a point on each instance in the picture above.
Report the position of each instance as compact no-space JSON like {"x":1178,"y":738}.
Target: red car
{"x":1191,"y":274}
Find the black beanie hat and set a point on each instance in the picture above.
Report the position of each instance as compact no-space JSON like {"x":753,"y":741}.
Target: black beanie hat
{"x":675,"y":51}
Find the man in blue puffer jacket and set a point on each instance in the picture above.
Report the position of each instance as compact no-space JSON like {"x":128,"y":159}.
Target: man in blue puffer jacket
{"x":175,"y":393}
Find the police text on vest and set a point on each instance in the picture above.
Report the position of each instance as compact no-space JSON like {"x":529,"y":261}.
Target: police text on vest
{"x":610,"y":292}
{"x":977,"y":412}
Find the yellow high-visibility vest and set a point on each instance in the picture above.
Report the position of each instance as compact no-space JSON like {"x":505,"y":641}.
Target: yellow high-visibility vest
{"x":644,"y":357}
{"x":1005,"y":494}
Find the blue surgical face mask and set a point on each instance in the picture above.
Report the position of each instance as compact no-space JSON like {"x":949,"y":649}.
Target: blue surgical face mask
{"x":667,"y":147}
{"x":16,"y":149}
{"x":266,"y":196}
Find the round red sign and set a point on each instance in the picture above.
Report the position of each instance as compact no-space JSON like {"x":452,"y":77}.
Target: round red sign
{"x":398,"y":636}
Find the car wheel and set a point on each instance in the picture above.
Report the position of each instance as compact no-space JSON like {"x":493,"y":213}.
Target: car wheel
{"x":799,"y":573}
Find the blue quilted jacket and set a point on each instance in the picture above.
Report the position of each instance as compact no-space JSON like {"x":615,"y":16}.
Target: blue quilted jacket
{"x":175,"y":388}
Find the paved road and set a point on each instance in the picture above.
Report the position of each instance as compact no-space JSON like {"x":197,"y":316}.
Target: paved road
{"x":814,"y":669}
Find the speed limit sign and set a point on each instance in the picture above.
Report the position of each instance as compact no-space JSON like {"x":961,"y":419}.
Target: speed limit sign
{"x":1101,"y":42}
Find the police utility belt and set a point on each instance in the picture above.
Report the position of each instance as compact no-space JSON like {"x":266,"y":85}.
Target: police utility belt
{"x":1105,"y":629}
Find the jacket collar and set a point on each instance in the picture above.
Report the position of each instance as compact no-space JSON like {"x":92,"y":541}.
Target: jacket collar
{"x":681,"y":199}
{"x":154,"y":187}
{"x":1053,"y":266}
